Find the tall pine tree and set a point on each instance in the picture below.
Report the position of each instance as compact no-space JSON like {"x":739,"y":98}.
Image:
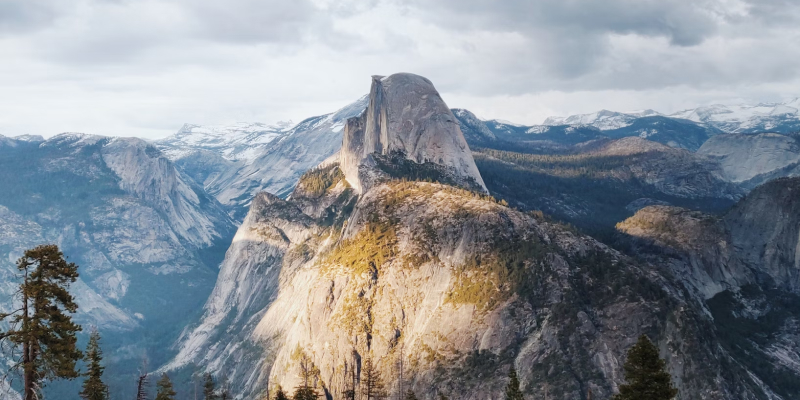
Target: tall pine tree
{"x":512,"y":389}
{"x":646,"y":374}
{"x":371,"y":383}
{"x":42,"y":325}
{"x":141,"y":385}
{"x":93,"y":386}
{"x":164,"y":390}
{"x":307,"y":373}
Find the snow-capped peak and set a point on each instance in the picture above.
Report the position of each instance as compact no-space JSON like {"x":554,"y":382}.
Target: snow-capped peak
{"x":240,"y":141}
{"x":603,"y":119}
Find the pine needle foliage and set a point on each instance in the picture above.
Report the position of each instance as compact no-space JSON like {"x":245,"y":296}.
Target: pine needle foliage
{"x":646,"y":374}
{"x":280,"y":394}
{"x":42,"y":325}
{"x":512,"y":389}
{"x":372,"y":386}
{"x":164,"y":389}
{"x":315,"y":182}
{"x":93,"y":387}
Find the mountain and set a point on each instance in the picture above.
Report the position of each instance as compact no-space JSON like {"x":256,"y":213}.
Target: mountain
{"x":745,"y":267}
{"x":603,"y":119}
{"x":148,"y":241}
{"x":407,"y":117}
{"x":606,"y":124}
{"x":399,"y":261}
{"x":236,"y":162}
{"x":753,"y":159}
{"x":764,"y":117}
{"x":599,"y":183}
{"x":237,"y":142}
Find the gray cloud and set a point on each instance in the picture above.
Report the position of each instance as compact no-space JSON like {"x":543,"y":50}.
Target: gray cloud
{"x":21,"y":16}
{"x":128,"y":66}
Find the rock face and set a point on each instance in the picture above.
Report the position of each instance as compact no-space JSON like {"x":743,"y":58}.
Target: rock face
{"x":405,"y":114}
{"x":235,"y":163}
{"x":753,"y":159}
{"x":451,"y":286}
{"x":765,"y":231}
{"x":143,"y":234}
{"x":745,"y":266}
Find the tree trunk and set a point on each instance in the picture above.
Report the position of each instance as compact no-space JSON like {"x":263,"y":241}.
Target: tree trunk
{"x":27,"y":348}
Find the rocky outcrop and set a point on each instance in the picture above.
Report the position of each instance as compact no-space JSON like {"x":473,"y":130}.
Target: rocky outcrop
{"x":406,"y":115}
{"x":765,"y":231}
{"x":451,"y":285}
{"x":236,"y":163}
{"x":745,"y":266}
{"x":752,"y":157}
{"x":672,"y":171}
{"x":147,"y":240}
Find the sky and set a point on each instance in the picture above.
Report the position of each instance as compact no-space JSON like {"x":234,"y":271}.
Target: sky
{"x":144,"y":68}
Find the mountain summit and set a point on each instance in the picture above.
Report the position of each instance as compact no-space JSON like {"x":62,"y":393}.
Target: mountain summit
{"x":407,"y":116}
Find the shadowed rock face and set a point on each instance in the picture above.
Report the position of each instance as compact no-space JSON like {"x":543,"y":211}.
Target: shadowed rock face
{"x":406,"y":114}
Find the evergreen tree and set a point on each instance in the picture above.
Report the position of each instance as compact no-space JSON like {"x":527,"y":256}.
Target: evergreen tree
{"x":305,"y":393}
{"x":141,"y":385}
{"x":280,"y":394}
{"x":512,"y":389}
{"x":209,"y":388}
{"x":410,"y":395}
{"x":307,"y":373}
{"x":93,"y":386}
{"x":42,"y":325}
{"x":646,"y":374}
{"x":164,"y":389}
{"x":371,"y":382}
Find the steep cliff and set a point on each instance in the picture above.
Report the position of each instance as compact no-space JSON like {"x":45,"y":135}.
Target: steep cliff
{"x":443,"y":287}
{"x":146,"y":238}
{"x":753,"y":159}
{"x":745,"y":266}
{"x":406,"y":115}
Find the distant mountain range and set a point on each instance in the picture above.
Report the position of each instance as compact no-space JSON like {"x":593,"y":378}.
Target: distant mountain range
{"x":150,"y":222}
{"x":235,"y":162}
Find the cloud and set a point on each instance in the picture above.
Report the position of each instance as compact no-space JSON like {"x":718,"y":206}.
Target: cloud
{"x":144,"y":67}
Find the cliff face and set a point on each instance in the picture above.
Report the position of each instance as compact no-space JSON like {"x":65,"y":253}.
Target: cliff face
{"x":447,"y":285}
{"x":765,"y":231}
{"x":406,"y":115}
{"x":745,"y":266}
{"x":454,"y":285}
{"x":143,"y":234}
{"x":753,"y":157}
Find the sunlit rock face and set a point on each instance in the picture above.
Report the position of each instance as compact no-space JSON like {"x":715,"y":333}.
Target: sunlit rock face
{"x":406,"y":115}
{"x":370,"y":259}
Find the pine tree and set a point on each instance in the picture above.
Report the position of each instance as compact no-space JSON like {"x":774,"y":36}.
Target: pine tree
{"x":93,"y":386}
{"x":141,"y":385}
{"x":209,"y":388}
{"x":280,"y":394}
{"x":164,"y":389}
{"x":512,"y":389}
{"x":372,"y":384}
{"x":42,"y":325}
{"x":307,"y":373}
{"x":646,"y":374}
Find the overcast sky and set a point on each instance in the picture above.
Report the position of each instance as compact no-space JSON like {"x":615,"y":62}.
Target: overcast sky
{"x":145,"y":67}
